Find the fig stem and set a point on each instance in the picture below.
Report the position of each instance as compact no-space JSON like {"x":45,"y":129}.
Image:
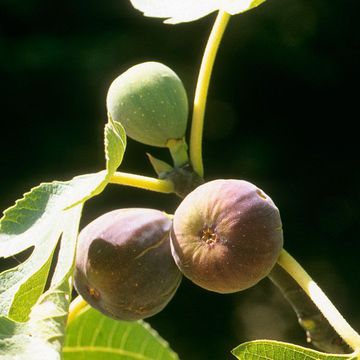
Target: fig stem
{"x":201,"y":91}
{"x":76,"y":307}
{"x":142,"y":182}
{"x":336,"y":320}
{"x":178,"y":150}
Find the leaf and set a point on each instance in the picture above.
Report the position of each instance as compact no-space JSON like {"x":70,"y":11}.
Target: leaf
{"x":35,"y":221}
{"x":115,"y":145}
{"x":31,"y":215}
{"x":92,"y":335}
{"x":41,"y":337}
{"x":161,"y":167}
{"x":276,"y":350}
{"x":234,"y":7}
{"x":178,"y":11}
{"x":35,"y":320}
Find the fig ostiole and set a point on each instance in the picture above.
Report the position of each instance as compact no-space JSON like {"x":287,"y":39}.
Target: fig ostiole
{"x":150,"y":101}
{"x":124,"y":267}
{"x":226,"y":235}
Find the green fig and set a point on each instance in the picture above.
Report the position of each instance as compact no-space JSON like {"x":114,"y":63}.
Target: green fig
{"x":124,"y":266}
{"x":150,"y":101}
{"x":226,"y":235}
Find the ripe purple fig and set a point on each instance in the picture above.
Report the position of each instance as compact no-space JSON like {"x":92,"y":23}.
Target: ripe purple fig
{"x":226,"y":235}
{"x":124,"y":266}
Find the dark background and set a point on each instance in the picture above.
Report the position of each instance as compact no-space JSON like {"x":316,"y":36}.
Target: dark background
{"x":283,"y":105}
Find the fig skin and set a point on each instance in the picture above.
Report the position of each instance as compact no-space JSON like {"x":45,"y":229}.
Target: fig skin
{"x":150,"y":101}
{"x":124,"y":266}
{"x":226,"y":235}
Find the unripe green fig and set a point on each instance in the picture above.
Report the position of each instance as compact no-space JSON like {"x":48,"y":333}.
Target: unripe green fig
{"x":124,"y":266}
{"x":226,"y":235}
{"x":150,"y":101}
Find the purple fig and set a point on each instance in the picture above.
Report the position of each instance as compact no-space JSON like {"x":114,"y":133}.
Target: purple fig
{"x":124,"y":266}
{"x":226,"y":235}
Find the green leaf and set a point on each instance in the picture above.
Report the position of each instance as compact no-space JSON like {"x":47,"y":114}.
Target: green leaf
{"x":115,"y":145}
{"x":41,"y":337}
{"x":92,"y":336}
{"x":36,"y":220}
{"x":161,"y":167}
{"x":30,"y":320}
{"x":276,"y":350}
{"x":178,"y":11}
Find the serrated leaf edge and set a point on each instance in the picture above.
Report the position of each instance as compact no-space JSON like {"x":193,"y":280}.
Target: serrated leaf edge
{"x":352,"y":356}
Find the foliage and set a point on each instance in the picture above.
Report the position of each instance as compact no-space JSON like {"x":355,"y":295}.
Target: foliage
{"x":92,"y":335}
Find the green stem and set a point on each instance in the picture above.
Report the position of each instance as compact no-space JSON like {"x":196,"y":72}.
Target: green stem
{"x":335,"y":319}
{"x":76,"y":307}
{"x":202,"y":90}
{"x":178,"y":150}
{"x":142,"y":182}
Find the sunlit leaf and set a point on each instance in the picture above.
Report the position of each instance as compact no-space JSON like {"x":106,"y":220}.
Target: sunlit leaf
{"x":37,"y":212}
{"x":275,"y":350}
{"x":238,"y":6}
{"x":41,"y":337}
{"x":92,"y":336}
{"x":178,"y":11}
{"x":32,"y":322}
{"x":115,"y":145}
{"x":36,"y":220}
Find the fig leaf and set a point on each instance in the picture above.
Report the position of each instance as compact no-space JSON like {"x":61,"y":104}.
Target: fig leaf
{"x":179,"y":11}
{"x":32,"y":322}
{"x":276,"y":350}
{"x":93,"y":335}
{"x":42,"y":335}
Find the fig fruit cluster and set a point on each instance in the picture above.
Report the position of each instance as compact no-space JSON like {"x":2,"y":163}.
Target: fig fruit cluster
{"x":225,"y":236}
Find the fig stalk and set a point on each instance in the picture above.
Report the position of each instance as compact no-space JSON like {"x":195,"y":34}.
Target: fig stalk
{"x":201,"y":91}
{"x":179,"y":151}
{"x":76,"y":306}
{"x":336,"y":320}
{"x":143,"y":182}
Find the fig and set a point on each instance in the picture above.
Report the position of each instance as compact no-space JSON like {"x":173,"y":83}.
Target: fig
{"x":226,"y":235}
{"x":124,"y":267}
{"x":150,"y":101}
